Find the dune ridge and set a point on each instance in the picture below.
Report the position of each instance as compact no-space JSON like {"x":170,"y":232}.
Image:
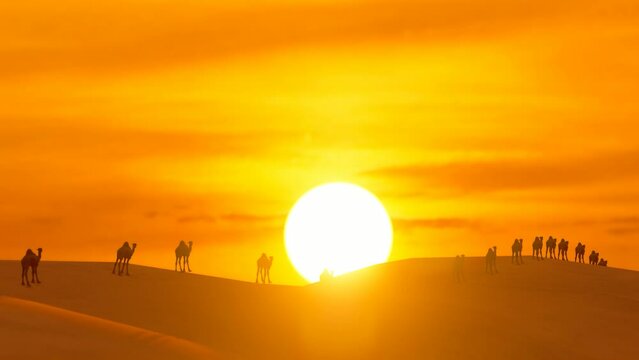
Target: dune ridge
{"x":410,"y":309}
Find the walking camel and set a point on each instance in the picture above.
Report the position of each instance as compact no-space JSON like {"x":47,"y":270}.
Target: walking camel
{"x":182,"y":253}
{"x":31,"y":260}
{"x":264,"y":268}
{"x":123,"y":257}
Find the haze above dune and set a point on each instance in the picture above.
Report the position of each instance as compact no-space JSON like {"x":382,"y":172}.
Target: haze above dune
{"x":406,"y":309}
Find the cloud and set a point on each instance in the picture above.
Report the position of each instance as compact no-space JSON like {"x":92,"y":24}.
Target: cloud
{"x":105,"y":143}
{"x":232,"y":218}
{"x":436,"y":223}
{"x":510,"y":174}
{"x":197,"y":218}
{"x":109,"y":37}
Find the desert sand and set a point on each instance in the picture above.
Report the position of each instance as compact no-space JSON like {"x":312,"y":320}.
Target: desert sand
{"x":411,"y":309}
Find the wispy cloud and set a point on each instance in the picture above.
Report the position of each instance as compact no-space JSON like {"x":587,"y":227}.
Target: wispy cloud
{"x":521,"y":174}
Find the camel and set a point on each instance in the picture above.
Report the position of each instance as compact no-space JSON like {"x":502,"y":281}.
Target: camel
{"x":264,"y":268}
{"x":517,"y":247}
{"x":123,"y":257}
{"x":593,"y":258}
{"x":491,"y":260}
{"x":551,"y":245}
{"x":580,"y":251}
{"x":538,"y":246}
{"x":30,"y":259}
{"x":563,"y":249}
{"x":182,"y":253}
{"x":327,"y":276}
{"x":603,"y":262}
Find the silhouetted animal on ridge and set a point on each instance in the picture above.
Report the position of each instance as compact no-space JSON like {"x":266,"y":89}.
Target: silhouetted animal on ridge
{"x":326,"y":276}
{"x":182,"y":253}
{"x":538,"y":245}
{"x":264,"y":268}
{"x":123,"y":257}
{"x":580,"y":251}
{"x":31,"y":260}
{"x":517,"y":248}
{"x":593,"y":258}
{"x":563,"y":249}
{"x":491,"y":260}
{"x":603,"y":262}
{"x":551,"y":244}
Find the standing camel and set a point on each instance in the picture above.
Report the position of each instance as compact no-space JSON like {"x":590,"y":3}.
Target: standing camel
{"x":517,"y":249}
{"x":563,"y":249}
{"x":538,"y":246}
{"x":123,"y":257}
{"x":182,"y":252}
{"x":551,"y":245}
{"x":264,"y":268}
{"x":30,"y":259}
{"x":580,"y":251}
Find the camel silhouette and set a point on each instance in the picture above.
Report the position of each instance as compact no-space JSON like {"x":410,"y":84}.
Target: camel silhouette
{"x":593,"y":259}
{"x":517,"y":248}
{"x":538,"y":246}
{"x":30,"y":260}
{"x":491,"y":260}
{"x":264,"y":268}
{"x":580,"y":251}
{"x":551,"y":245}
{"x":603,"y":262}
{"x":123,"y":257}
{"x":182,"y":253}
{"x":563,"y":249}
{"x":326,"y":276}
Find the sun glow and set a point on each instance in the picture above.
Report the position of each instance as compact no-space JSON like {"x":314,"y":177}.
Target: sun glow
{"x":339,"y":227}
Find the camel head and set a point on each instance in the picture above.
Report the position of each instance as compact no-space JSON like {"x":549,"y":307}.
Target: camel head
{"x":134,"y":245}
{"x":39,"y":250}
{"x":190,"y":243}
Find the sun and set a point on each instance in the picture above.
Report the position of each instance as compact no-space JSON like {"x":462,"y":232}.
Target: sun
{"x":340,"y":227}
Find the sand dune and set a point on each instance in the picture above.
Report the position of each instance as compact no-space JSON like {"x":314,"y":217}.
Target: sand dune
{"x":33,"y":330}
{"x":407,"y":309}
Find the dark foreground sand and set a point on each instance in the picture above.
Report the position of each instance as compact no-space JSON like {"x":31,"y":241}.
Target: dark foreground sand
{"x":411,"y":309}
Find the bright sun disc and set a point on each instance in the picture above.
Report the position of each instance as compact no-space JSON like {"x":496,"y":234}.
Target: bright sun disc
{"x":340,"y":227}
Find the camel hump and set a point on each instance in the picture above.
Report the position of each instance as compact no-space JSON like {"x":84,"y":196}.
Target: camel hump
{"x":29,"y":252}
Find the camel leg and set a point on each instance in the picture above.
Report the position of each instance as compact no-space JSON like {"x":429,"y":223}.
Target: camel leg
{"x":268,"y":274}
{"x":186,"y":259}
{"x":34,"y":275}
{"x":114,"y":266}
{"x":176,"y":262}
{"x":127,"y":266}
{"x":257,"y":275}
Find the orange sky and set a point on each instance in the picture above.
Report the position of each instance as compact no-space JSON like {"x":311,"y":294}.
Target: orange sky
{"x":474,"y":122}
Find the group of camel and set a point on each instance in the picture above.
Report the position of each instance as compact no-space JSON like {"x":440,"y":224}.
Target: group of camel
{"x":551,"y":245}
{"x":124,"y":254}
